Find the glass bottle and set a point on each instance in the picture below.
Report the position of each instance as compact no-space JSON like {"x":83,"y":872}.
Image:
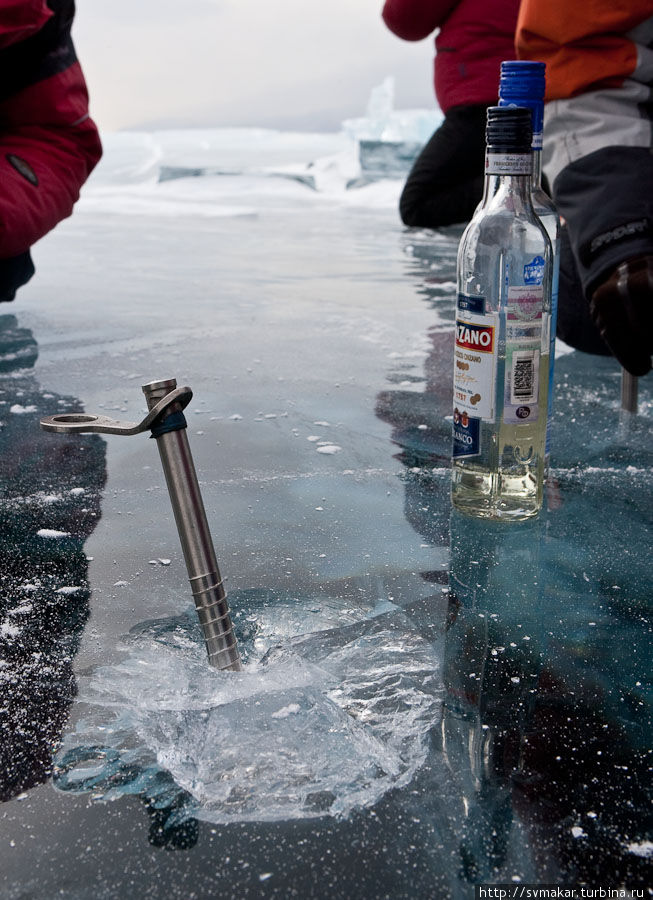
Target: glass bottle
{"x":522,"y":83}
{"x":501,"y":355}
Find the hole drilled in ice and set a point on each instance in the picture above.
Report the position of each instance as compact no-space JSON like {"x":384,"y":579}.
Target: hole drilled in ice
{"x":324,"y":723}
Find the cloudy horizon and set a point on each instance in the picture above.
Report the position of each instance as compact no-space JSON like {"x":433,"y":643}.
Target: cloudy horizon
{"x":242,"y":63}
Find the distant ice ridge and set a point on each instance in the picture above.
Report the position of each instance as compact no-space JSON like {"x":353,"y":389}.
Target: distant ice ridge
{"x":382,"y":122}
{"x":322,"y":724}
{"x":388,"y":139}
{"x":133,"y":176}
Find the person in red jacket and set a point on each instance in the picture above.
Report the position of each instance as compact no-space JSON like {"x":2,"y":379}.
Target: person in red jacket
{"x":598,"y":137}
{"x":446,"y":181}
{"x":48,"y":143}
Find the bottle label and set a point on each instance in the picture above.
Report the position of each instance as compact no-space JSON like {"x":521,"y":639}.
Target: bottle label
{"x":471,"y":304}
{"x":525,"y":305}
{"x":526,"y":334}
{"x":508,"y":163}
{"x":475,"y":364}
{"x":534,"y":271}
{"x":466,"y":434}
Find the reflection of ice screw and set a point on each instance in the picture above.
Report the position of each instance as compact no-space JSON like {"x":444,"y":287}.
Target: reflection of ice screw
{"x":628,"y":391}
{"x":167,"y":423}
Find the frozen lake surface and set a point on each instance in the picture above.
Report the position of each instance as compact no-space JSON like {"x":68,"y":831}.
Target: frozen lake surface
{"x":428,"y":702}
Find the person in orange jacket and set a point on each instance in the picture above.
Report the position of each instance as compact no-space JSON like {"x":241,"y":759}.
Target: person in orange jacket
{"x":598,"y":159}
{"x":48,"y":143}
{"x":446,"y":181}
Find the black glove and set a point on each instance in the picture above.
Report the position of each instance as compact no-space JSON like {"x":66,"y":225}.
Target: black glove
{"x":622,"y":310}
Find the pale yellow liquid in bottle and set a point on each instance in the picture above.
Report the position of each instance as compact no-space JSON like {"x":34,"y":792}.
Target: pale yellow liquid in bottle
{"x":506,"y":480}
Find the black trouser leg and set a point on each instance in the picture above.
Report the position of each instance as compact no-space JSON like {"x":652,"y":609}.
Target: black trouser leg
{"x":575,"y":326}
{"x":445,"y":184}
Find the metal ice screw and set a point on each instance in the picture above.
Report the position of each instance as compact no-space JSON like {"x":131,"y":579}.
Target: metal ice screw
{"x":167,"y":422}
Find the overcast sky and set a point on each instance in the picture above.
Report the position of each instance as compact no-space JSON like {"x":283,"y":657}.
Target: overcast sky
{"x":287,"y":64}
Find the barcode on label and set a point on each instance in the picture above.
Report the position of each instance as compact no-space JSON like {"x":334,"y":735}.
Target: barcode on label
{"x":524,"y":377}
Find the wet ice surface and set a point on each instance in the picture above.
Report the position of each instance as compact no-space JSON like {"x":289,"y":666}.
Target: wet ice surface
{"x":428,"y":703}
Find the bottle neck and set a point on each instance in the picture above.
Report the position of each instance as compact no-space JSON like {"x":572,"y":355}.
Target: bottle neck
{"x":536,"y":177}
{"x":490,"y":187}
{"x":510,"y":172}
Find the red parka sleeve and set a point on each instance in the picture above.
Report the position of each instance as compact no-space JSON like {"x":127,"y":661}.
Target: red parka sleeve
{"x":22,"y":19}
{"x":48,"y":143}
{"x":413,"y":20}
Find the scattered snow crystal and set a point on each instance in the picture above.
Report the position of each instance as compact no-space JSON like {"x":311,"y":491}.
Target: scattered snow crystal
{"x":286,"y":711}
{"x":644,"y":849}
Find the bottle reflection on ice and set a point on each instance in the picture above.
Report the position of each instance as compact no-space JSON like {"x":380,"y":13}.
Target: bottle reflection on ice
{"x":501,"y":355}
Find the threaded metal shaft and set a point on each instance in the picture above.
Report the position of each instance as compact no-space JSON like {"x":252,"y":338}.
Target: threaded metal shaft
{"x":197,"y":546}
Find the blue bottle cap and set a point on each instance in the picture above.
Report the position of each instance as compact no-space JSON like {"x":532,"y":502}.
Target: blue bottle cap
{"x":522,"y":83}
{"x":521,"y":76}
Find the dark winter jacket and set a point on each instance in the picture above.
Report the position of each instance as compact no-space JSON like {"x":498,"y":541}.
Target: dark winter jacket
{"x":597,"y":157}
{"x":48,"y":143}
{"x":474,"y":37}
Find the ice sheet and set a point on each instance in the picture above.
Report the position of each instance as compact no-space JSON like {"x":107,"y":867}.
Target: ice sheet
{"x":314,"y":321}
